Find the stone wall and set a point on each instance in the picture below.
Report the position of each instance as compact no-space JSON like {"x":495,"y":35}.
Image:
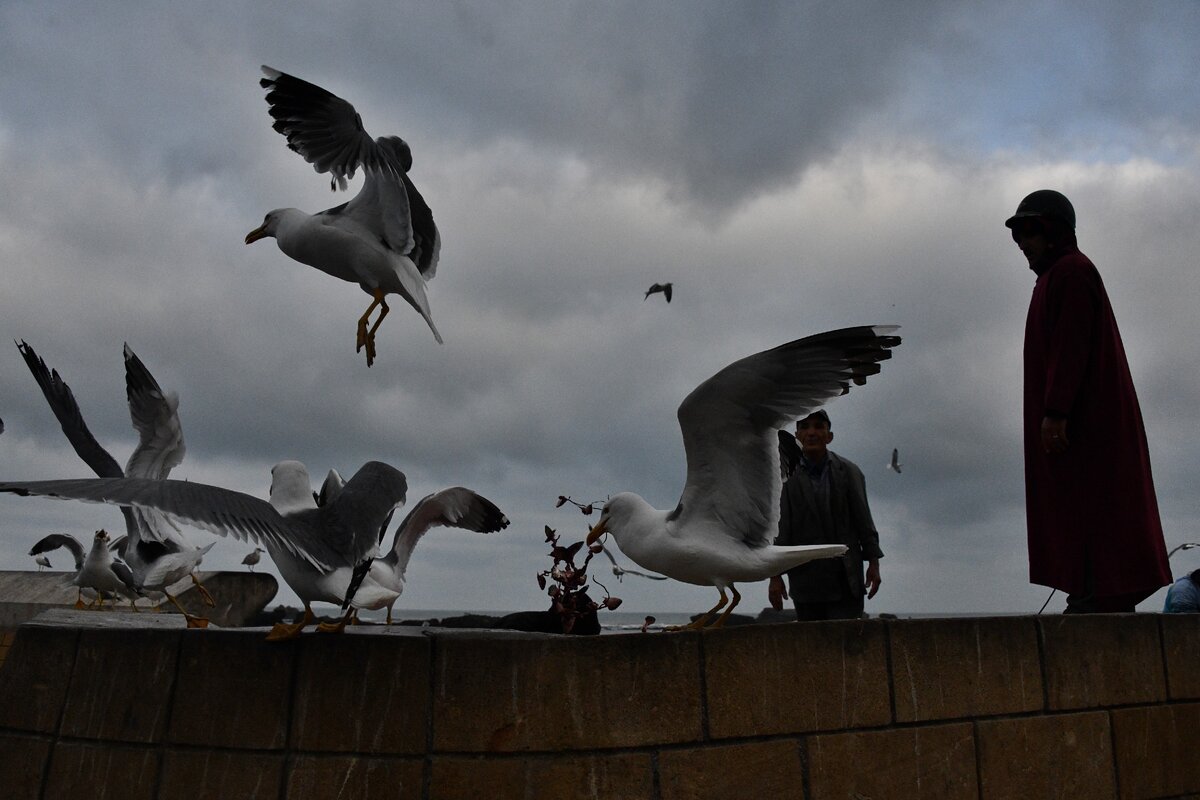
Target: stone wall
{"x":1000,"y":707}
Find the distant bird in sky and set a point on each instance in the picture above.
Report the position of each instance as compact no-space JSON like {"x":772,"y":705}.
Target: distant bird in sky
{"x":722,"y":530}
{"x":665,"y":288}
{"x":156,"y":549}
{"x":380,"y":582}
{"x":97,"y":569}
{"x":253,"y":557}
{"x":43,"y":563}
{"x":1,"y":426}
{"x":384,"y":239}
{"x":894,"y":465}
{"x":315,"y":549}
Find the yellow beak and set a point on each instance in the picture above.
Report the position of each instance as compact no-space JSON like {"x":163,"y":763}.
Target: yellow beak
{"x":256,"y":234}
{"x":598,"y":531}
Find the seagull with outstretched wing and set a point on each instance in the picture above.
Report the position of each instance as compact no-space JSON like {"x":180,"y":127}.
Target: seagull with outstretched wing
{"x":315,"y":548}
{"x":723,"y":528}
{"x":384,"y":239}
{"x":156,"y":550}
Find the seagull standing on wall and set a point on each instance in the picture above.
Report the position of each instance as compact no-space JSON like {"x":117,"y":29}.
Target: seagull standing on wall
{"x":722,"y":530}
{"x":154,"y":548}
{"x":315,"y":548}
{"x":384,"y":239}
{"x":96,"y":569}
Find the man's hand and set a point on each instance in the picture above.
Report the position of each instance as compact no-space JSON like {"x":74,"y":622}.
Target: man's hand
{"x":1054,"y":434}
{"x":777,"y":593}
{"x":873,"y":579}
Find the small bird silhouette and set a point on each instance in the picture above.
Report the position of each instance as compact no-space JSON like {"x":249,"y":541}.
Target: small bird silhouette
{"x":894,"y":465}
{"x":665,"y":288}
{"x":43,"y":563}
{"x":253,"y":557}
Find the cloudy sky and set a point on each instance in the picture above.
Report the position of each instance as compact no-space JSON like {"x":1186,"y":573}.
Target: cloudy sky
{"x":791,"y":167}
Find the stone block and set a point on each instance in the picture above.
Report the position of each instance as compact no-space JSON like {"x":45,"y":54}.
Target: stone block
{"x":1156,"y":750}
{"x":627,"y":776}
{"x":22,"y":763}
{"x":361,"y":691}
{"x":521,"y":692}
{"x":35,"y":677}
{"x":955,"y":668}
{"x":220,"y":775}
{"x":251,"y":676}
{"x":1181,"y":650}
{"x":754,"y":770}
{"x":318,"y":777}
{"x":796,"y":677}
{"x":1063,"y":755}
{"x":930,"y":763}
{"x":98,"y":772}
{"x":121,"y":685}
{"x":1102,"y":660}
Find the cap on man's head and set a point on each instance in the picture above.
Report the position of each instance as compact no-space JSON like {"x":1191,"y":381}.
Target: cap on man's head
{"x":818,"y":414}
{"x":1045,"y":203}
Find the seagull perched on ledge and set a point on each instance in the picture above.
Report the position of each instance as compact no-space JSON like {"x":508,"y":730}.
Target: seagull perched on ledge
{"x":97,"y":569}
{"x":380,"y":582}
{"x":722,"y":530}
{"x":384,"y":239}
{"x":315,"y":549}
{"x":154,"y":547}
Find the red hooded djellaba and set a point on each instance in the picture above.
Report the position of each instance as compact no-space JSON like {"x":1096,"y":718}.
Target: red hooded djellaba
{"x":1093,"y":524}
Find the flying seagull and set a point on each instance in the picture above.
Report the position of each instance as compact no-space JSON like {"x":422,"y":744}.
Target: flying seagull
{"x":722,"y":530}
{"x":380,"y":582}
{"x":384,"y":239}
{"x":156,"y":550}
{"x":665,"y":288}
{"x":315,"y":549}
{"x":894,"y":465}
{"x":97,"y":569}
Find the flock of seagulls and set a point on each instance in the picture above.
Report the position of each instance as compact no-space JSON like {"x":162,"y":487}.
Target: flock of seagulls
{"x":153,"y":548}
{"x":328,"y":544}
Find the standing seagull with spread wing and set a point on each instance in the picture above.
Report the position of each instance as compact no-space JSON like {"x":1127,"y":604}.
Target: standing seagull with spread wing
{"x":156,"y":551}
{"x":315,"y":548}
{"x":382,"y":579}
{"x":384,"y":239}
{"x":722,"y":530}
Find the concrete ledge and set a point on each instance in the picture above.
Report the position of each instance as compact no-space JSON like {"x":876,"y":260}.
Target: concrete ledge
{"x":137,"y":706}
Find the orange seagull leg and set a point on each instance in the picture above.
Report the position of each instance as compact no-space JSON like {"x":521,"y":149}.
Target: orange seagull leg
{"x":737,"y":598}
{"x":192,"y":622}
{"x":282,"y":630}
{"x":204,"y":593}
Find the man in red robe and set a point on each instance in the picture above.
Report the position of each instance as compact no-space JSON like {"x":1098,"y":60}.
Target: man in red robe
{"x":1093,"y":525}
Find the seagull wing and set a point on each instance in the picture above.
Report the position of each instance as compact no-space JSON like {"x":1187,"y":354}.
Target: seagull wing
{"x":62,"y":402}
{"x":155,"y":416}
{"x":355,"y":522}
{"x":666,"y":290}
{"x":323,"y":128}
{"x":456,"y":507}
{"x":729,"y":424}
{"x":56,"y":540}
{"x":789,"y":455}
{"x":211,"y":508}
{"x":160,"y":448}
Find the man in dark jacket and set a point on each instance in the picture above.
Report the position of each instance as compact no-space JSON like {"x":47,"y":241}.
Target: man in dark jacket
{"x":825,"y":502}
{"x":1092,"y":516}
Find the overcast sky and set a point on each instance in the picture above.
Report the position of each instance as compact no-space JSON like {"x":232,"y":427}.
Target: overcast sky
{"x":791,"y":167}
